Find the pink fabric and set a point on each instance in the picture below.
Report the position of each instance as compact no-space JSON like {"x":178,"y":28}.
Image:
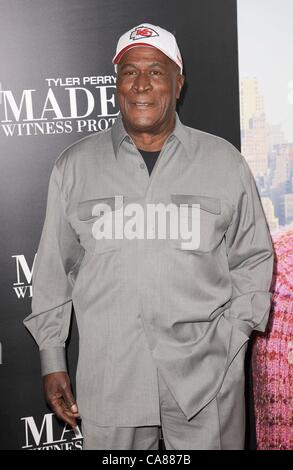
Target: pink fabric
{"x":272,"y":357}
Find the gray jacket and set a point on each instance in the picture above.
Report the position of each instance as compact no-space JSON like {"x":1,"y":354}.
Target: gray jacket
{"x":144,"y":304}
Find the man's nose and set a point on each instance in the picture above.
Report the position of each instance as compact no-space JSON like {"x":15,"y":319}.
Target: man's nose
{"x":141,"y":83}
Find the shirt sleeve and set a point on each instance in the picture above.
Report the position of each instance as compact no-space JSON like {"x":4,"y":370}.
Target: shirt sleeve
{"x":58,"y":255}
{"x":250,"y":257}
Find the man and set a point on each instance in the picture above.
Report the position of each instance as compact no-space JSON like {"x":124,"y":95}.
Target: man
{"x":163,"y":322}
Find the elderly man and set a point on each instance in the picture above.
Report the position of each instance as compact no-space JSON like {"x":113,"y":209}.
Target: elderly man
{"x":163,"y":322}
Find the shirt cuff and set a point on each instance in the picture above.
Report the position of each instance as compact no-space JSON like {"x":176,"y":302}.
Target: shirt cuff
{"x":250,"y":311}
{"x":53,"y":360}
{"x":242,"y":325}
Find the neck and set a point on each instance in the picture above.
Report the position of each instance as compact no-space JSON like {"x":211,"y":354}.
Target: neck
{"x":148,"y":140}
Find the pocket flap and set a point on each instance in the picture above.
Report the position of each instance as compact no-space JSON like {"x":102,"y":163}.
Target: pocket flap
{"x":88,"y":209}
{"x":207,"y":203}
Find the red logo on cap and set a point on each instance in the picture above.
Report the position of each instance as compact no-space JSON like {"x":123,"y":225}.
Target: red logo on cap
{"x":143,"y":32}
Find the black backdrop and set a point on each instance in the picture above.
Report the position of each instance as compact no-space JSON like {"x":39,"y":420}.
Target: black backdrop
{"x":69,"y":38}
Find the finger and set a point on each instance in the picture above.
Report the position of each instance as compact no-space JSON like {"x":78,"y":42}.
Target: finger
{"x":58,"y":400}
{"x":61,"y":412}
{"x":72,"y":415}
{"x":69,"y":400}
{"x":65,"y":418}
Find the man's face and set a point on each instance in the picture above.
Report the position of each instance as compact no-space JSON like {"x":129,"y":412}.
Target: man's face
{"x":148,"y":85}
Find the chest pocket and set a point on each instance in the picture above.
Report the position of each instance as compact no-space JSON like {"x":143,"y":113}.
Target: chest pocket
{"x":99,"y":223}
{"x":201,"y":218}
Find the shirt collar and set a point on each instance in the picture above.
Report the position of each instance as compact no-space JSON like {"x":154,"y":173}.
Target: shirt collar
{"x":119,"y":133}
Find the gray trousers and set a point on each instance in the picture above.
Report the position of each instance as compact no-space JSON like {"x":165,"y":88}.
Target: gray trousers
{"x":220,"y":425}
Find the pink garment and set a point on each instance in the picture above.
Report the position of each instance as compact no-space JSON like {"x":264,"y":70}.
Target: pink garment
{"x":272,"y":357}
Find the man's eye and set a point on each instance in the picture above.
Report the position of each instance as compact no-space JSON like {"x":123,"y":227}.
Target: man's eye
{"x":156,"y":72}
{"x":129,"y":72}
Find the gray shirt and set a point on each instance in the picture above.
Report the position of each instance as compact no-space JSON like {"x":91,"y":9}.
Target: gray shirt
{"x":148,"y":304}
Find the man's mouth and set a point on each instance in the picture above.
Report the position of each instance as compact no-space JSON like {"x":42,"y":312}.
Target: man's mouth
{"x":142,"y":104}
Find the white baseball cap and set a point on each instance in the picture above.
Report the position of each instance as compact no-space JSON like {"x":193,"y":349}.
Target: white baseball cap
{"x":147,"y":34}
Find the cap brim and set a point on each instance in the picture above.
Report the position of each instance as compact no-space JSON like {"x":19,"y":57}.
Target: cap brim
{"x":118,"y":56}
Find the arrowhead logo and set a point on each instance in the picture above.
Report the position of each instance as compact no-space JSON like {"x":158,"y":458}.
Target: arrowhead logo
{"x":142,"y":32}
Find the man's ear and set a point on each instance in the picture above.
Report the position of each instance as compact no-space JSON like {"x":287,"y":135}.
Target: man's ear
{"x":180,"y":79}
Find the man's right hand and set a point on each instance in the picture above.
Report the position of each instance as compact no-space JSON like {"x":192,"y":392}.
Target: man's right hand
{"x":58,"y":394}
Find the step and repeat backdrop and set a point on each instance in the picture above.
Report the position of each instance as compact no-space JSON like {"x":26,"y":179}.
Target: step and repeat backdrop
{"x":57,"y":85}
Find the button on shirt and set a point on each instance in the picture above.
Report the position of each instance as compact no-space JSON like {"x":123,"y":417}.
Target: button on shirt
{"x":146,"y":304}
